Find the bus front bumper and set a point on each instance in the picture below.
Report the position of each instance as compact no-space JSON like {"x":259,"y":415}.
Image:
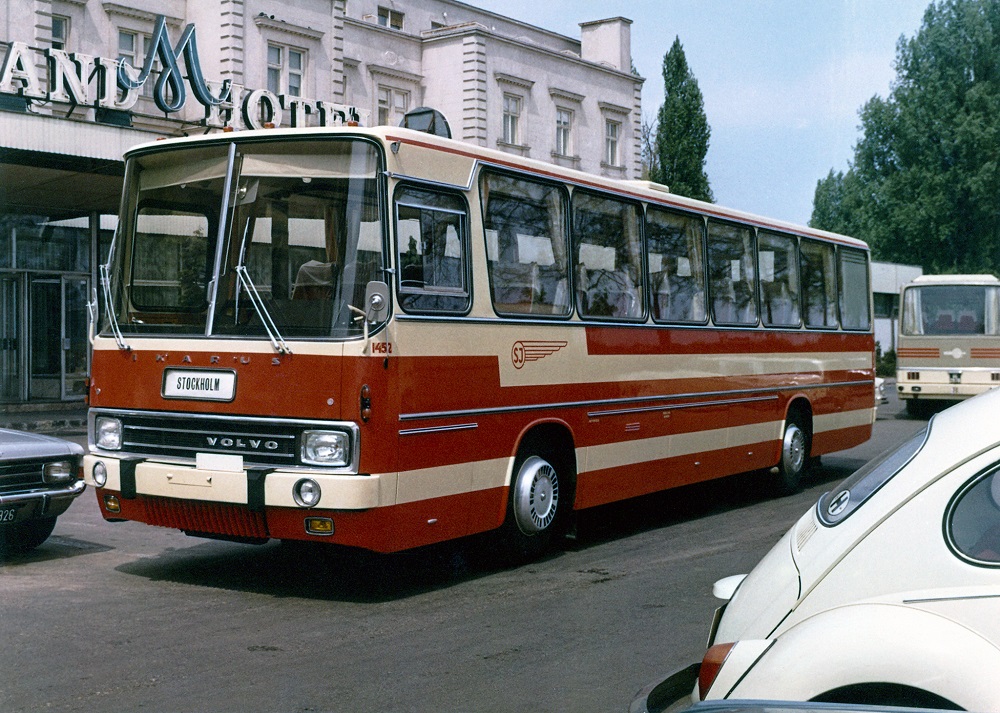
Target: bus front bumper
{"x":941,"y":391}
{"x":255,"y":488}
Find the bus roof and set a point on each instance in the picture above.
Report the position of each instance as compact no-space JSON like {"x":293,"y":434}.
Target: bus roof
{"x":640,"y":189}
{"x":955,"y":280}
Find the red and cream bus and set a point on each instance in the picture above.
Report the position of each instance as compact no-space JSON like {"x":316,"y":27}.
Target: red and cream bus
{"x":948,"y":347}
{"x":382,"y":338}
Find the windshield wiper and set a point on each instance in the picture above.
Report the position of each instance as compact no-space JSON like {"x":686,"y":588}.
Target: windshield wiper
{"x":112,"y":318}
{"x":108,"y":300}
{"x":277,"y":341}
{"x":247,"y":195}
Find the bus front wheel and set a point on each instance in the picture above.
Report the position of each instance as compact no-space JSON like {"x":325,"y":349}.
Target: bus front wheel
{"x":533,"y":511}
{"x":794,"y":457}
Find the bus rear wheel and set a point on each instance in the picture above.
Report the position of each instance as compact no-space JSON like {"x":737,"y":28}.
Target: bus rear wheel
{"x":533,"y":508}
{"x":795,"y":445}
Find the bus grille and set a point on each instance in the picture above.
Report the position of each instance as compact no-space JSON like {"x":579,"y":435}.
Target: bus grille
{"x":214,"y":518}
{"x":18,"y":477}
{"x":260,"y":442}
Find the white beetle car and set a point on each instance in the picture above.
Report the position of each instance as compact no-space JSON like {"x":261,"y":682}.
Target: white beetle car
{"x":886,"y":592}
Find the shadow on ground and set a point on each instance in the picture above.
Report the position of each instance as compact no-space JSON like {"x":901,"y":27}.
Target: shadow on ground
{"x":324,"y":572}
{"x":57,"y":547}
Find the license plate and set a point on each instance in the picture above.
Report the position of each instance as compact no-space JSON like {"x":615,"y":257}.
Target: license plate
{"x":199,"y":384}
{"x":8,"y":515}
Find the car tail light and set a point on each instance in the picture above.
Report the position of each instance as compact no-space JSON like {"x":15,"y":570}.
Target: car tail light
{"x":710,"y":666}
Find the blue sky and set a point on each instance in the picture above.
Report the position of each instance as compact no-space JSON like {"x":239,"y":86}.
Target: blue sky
{"x":783,"y":80}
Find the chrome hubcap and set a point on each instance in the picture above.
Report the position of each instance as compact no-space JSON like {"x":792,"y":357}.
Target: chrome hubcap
{"x":794,"y":449}
{"x":536,"y":496}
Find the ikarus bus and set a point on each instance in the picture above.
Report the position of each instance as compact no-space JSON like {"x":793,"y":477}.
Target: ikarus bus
{"x":381,"y":338}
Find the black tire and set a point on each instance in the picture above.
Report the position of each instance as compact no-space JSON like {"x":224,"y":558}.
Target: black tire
{"x":918,"y":409}
{"x":796,"y":443}
{"x":534,"y":508}
{"x":25,"y":536}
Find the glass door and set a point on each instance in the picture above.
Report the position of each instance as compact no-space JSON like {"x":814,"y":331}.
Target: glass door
{"x":11,"y":381}
{"x":58,"y":336}
{"x":75,"y":341}
{"x":45,"y":336}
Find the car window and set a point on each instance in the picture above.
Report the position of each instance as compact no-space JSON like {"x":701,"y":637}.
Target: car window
{"x":973,"y":519}
{"x":835,"y":506}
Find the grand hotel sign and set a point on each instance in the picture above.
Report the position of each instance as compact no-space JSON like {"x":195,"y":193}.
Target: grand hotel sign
{"x":113,"y":85}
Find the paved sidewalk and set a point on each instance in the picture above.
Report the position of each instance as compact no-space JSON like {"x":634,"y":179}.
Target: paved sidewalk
{"x":56,"y":421}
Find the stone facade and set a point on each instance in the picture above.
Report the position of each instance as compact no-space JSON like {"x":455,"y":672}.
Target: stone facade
{"x":500,"y":82}
{"x":65,"y":121}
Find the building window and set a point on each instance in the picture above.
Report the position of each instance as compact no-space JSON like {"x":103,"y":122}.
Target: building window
{"x":392,"y":105}
{"x":511,"y":119}
{"x":390,"y":18}
{"x":285,"y":70}
{"x":886,"y":305}
{"x":612,"y":130}
{"x":564,"y":132}
{"x":60,"y":32}
{"x":132,"y":48}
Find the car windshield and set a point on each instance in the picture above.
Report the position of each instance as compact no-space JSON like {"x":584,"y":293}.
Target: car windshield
{"x":292,"y":229}
{"x":835,"y":506}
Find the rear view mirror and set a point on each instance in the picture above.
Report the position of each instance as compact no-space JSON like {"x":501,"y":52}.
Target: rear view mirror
{"x":376,"y":301}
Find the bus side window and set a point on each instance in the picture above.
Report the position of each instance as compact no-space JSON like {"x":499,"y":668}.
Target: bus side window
{"x":778,"y":267}
{"x":525,"y":228}
{"x":676,"y":266}
{"x":854,"y":290}
{"x":432,"y":240}
{"x":732,"y":273}
{"x":607,"y":247}
{"x":819,"y":284}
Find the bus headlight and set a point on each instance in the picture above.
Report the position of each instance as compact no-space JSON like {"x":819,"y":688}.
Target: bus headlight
{"x":100,"y":474}
{"x":306,"y":493}
{"x":329,"y":448}
{"x":108,"y":433}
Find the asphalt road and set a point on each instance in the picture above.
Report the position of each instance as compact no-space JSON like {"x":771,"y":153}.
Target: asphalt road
{"x":128,"y":617}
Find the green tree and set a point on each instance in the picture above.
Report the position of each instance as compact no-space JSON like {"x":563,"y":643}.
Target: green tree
{"x":925,"y":180}
{"x":837,"y":204}
{"x":682,"y":131}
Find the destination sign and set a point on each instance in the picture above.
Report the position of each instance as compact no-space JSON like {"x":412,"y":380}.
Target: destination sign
{"x":199,"y":384}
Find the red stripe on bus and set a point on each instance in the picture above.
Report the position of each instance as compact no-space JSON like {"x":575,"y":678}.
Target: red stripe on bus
{"x":624,"y":340}
{"x":918,"y":353}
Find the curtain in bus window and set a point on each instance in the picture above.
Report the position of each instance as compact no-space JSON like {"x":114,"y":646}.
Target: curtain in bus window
{"x":913,"y":322}
{"x":732,"y":273}
{"x":819,"y":283}
{"x":525,"y":227}
{"x":854,"y":290}
{"x":992,"y":310}
{"x":432,"y":239}
{"x":778,"y":268}
{"x":675,"y":244}
{"x":607,"y":248}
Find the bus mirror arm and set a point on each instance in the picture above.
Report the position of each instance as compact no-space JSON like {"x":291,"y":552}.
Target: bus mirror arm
{"x":363,"y":318}
{"x":377,"y":303}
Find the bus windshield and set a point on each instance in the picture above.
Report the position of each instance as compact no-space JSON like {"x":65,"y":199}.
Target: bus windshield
{"x":949,"y":310}
{"x":253,"y":239}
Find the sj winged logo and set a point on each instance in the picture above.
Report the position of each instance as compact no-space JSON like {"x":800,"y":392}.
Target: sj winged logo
{"x":524,"y":351}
